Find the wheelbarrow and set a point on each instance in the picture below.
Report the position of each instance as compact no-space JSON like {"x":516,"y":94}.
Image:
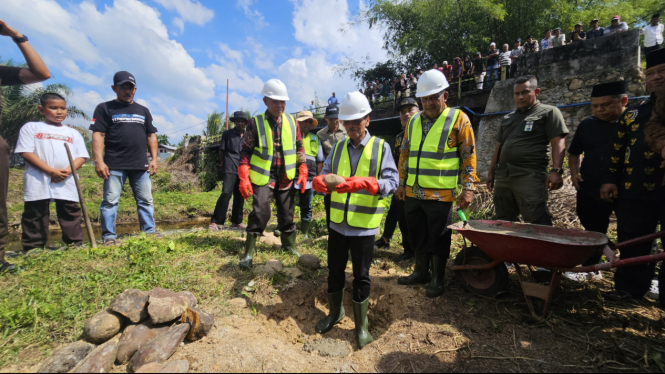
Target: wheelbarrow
{"x":481,"y":266}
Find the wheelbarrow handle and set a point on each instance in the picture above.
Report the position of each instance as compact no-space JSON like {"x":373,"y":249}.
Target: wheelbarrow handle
{"x":643,"y":239}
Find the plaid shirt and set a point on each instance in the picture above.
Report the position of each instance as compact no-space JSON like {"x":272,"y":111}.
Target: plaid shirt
{"x":277,"y":168}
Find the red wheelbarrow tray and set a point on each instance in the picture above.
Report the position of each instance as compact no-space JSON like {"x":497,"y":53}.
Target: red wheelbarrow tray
{"x":546,"y":246}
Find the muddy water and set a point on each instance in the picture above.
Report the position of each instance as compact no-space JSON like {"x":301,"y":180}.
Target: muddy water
{"x":55,"y":236}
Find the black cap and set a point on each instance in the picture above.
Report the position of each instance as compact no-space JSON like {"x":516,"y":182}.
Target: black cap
{"x":478,"y":53}
{"x":408,"y":101}
{"x":123,"y":77}
{"x":558,"y":28}
{"x":518,"y":40}
{"x":332,"y":112}
{"x":239,"y":115}
{"x":609,"y":89}
{"x":656,"y":58}
{"x":530,"y":37}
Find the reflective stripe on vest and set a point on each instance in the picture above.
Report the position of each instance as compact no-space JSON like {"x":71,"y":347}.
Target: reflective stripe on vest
{"x":261,"y":161}
{"x":431,"y":162}
{"x":359,"y":209}
{"x":311,"y":144}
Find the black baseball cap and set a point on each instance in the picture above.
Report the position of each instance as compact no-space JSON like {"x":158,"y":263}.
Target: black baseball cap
{"x":408,"y":101}
{"x":239,"y":115}
{"x":123,"y":77}
{"x":332,"y":112}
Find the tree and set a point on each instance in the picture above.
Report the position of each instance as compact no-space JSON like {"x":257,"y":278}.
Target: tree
{"x":214,"y":125}
{"x":163,"y":139}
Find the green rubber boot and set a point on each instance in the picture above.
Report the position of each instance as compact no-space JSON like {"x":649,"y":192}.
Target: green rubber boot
{"x":336,"y":312}
{"x":362,"y":324}
{"x":420,"y":274}
{"x":250,"y":248}
{"x":304,"y":227}
{"x":435,"y":286}
{"x":289,"y":242}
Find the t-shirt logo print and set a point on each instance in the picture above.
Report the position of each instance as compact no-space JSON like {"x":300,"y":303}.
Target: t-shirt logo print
{"x":64,"y":138}
{"x":128,"y":118}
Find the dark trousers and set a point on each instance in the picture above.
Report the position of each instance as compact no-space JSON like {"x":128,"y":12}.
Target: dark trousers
{"x":513,"y":69}
{"x":594,"y":216}
{"x":396,"y":215}
{"x":362,"y":253}
{"x":524,"y":195}
{"x":428,"y":222}
{"x":636,"y":219}
{"x":326,"y":203}
{"x":261,"y":212}
{"x":230,"y":187}
{"x":305,"y":204}
{"x":4,"y":187}
{"x":648,"y":50}
{"x":35,"y":223}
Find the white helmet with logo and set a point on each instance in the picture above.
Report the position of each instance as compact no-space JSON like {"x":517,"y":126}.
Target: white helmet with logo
{"x":354,"y":106}
{"x":275,"y":90}
{"x":431,"y":82}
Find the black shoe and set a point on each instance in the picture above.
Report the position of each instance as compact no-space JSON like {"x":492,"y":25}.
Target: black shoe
{"x":7,"y":267}
{"x":404,"y":256}
{"x":381,"y":244}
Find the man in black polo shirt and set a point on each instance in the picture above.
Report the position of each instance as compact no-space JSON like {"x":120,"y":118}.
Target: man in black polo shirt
{"x":593,"y":140}
{"x":121,"y":128}
{"x":229,"y":154}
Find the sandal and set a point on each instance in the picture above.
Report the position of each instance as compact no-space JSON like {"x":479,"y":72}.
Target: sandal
{"x":108,"y":242}
{"x":213,"y":227}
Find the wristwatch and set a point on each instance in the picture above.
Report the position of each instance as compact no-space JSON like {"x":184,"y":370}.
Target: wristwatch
{"x":560,"y":171}
{"x":20,"y":39}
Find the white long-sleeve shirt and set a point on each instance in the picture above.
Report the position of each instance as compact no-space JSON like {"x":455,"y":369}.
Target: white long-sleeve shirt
{"x":653,"y":35}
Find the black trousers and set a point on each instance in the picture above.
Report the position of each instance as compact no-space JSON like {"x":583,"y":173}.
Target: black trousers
{"x":636,"y":219}
{"x":648,"y":50}
{"x":594,"y":215}
{"x":230,"y":187}
{"x":326,"y":203}
{"x":362,"y":253}
{"x":4,"y":187}
{"x":396,"y":215}
{"x":35,"y":223}
{"x":261,"y":212}
{"x":428,"y":223}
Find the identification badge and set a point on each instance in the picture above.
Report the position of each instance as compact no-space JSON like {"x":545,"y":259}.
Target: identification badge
{"x":529,"y":126}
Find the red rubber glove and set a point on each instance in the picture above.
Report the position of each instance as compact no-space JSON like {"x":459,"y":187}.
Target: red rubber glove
{"x":319,"y":185}
{"x":355,"y":184}
{"x":245,"y":185}
{"x":302,"y":177}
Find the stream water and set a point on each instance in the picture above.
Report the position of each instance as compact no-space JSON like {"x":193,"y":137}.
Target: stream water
{"x":55,"y":236}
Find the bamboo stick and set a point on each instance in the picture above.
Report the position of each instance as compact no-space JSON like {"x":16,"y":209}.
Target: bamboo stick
{"x":88,"y":224}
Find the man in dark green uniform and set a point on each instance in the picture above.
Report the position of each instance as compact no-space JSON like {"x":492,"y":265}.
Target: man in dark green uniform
{"x":633,"y":179}
{"x":518,"y":172}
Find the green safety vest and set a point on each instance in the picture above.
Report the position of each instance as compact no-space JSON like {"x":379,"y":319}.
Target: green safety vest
{"x":261,"y":161}
{"x":311,"y":144}
{"x":433,"y":164}
{"x":360,"y":209}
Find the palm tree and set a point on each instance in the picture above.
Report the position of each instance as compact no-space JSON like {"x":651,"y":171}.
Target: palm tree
{"x":214,"y":126}
{"x":19,"y":106}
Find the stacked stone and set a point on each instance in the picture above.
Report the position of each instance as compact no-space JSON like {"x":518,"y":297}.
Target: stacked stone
{"x":140,"y":329}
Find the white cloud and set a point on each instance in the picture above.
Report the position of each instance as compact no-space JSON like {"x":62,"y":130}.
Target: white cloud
{"x":189,"y":11}
{"x":230,"y":53}
{"x":263,"y":59}
{"x":71,"y":70}
{"x":237,"y":101}
{"x":87,"y":101}
{"x":239,"y":80}
{"x":258,"y":20}
{"x":179,"y":24}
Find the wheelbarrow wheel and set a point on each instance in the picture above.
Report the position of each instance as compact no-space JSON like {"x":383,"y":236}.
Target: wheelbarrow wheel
{"x":481,"y":282}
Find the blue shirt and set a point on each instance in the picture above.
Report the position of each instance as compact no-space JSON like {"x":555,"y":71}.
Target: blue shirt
{"x":387,"y":184}
{"x":333,"y":101}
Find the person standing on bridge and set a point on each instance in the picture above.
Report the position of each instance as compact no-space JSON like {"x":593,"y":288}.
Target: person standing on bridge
{"x":272,"y":150}
{"x":518,"y":172}
{"x":314,"y":159}
{"x":437,"y":141}
{"x":332,"y":100}
{"x":367,"y":164}
{"x":329,"y":136}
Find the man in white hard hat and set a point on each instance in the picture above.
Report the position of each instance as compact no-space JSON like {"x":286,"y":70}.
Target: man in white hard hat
{"x":437,"y":141}
{"x":272,"y":150}
{"x":357,"y":206}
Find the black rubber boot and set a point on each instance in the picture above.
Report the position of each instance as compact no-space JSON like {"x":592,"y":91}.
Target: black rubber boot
{"x":304,"y":227}
{"x":289,"y":242}
{"x":420,"y":273}
{"x":336,"y":312}
{"x":250,"y":248}
{"x":407,"y":255}
{"x":435,"y":286}
{"x":362,"y":323}
{"x":6,"y":267}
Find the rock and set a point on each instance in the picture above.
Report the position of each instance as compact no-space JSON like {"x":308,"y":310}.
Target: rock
{"x":270,"y":239}
{"x":575,"y":84}
{"x":200,"y":323}
{"x":292,"y":273}
{"x":310,"y":261}
{"x":238,"y":302}
{"x":166,"y":305}
{"x":307,"y":241}
{"x":328,"y":347}
{"x":99,"y":360}
{"x":180,"y":366}
{"x":332,"y":181}
{"x":135,"y":337}
{"x":65,"y":358}
{"x":131,"y":304}
{"x":159,"y":349}
{"x":275,"y":264}
{"x":102,"y":326}
{"x":264,"y":270}
{"x":525,"y":345}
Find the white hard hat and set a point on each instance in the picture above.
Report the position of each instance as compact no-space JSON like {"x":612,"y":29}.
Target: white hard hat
{"x":431,"y":82}
{"x":354,"y":106}
{"x":275,"y":90}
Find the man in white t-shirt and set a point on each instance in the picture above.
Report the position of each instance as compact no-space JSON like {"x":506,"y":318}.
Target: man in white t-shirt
{"x":48,"y":175}
{"x":653,"y":35}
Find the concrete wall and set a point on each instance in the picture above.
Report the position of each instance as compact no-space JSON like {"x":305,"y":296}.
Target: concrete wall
{"x":566,"y":76}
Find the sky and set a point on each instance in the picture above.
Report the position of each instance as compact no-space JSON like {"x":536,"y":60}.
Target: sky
{"x":183,"y":51}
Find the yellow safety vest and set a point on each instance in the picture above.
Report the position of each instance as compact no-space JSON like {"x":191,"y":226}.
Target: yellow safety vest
{"x":432,"y":164}
{"x":261,"y":161}
{"x":360,"y":209}
{"x":311,"y":144}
